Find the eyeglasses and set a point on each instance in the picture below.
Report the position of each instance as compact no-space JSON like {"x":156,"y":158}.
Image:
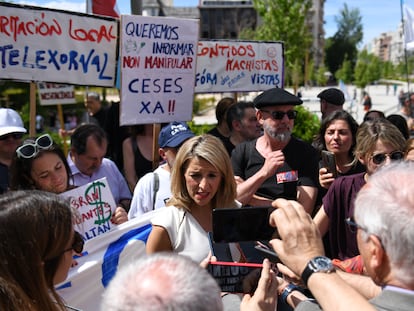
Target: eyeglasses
{"x":77,"y":245}
{"x":15,"y":136}
{"x":279,"y":115}
{"x":30,"y":150}
{"x":353,"y":226}
{"x":393,"y":156}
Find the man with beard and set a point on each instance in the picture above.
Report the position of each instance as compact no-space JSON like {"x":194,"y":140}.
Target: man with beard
{"x":276,"y":165}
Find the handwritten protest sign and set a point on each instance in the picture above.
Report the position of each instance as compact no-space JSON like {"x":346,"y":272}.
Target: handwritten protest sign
{"x":233,"y":66}
{"x":41,"y":44}
{"x":158,"y":63}
{"x":55,"y":94}
{"x":95,"y":204}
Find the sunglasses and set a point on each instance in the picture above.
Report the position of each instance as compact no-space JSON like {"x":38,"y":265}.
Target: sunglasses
{"x":353,"y":226}
{"x":381,"y":157}
{"x":15,"y":136}
{"x":30,"y":150}
{"x":279,"y":115}
{"x":77,"y":245}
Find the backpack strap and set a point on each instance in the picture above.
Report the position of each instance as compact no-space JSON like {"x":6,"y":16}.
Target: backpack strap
{"x":156,"y":187}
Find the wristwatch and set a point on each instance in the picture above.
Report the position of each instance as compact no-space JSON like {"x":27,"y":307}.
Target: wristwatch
{"x":287,"y":290}
{"x":317,"y":264}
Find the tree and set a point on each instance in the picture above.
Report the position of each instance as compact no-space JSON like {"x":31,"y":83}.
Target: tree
{"x":345,"y":73}
{"x":284,"y":20}
{"x":367,"y":69}
{"x":344,"y":42}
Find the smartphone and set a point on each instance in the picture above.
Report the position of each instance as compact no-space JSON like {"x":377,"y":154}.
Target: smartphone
{"x":267,"y":252}
{"x":328,"y":161}
{"x":236,"y":277}
{"x":220,"y":250}
{"x":242,"y":224}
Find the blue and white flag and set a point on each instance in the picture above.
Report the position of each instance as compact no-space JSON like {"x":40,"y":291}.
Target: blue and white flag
{"x":102,"y":257}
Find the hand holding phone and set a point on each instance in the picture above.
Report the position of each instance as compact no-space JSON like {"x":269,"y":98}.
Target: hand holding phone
{"x":267,"y":252}
{"x":235,"y":277}
{"x":328,"y":161}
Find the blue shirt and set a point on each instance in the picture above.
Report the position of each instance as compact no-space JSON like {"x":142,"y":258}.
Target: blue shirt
{"x":108,"y":169}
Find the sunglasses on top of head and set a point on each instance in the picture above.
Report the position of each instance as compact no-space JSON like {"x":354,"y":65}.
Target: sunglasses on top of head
{"x":31,"y":149}
{"x":279,"y":115}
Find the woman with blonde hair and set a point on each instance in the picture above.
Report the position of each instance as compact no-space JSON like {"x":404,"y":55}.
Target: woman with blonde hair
{"x":378,"y":143}
{"x":202,"y":179}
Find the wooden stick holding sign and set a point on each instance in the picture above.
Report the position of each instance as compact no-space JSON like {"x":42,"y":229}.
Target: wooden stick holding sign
{"x":32,"y":115}
{"x":155,"y":156}
{"x":62,"y":126}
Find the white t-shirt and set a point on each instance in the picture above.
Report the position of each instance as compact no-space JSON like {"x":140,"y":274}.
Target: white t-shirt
{"x":143,"y":198}
{"x":187,"y":237}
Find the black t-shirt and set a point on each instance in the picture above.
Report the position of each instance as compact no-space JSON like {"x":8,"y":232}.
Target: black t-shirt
{"x":300,"y":168}
{"x":4,"y":178}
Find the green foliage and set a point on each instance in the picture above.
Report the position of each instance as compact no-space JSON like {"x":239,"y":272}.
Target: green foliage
{"x":306,"y":124}
{"x":202,"y":103}
{"x":367,"y":69}
{"x":285,"y":20}
{"x":321,"y":79}
{"x":344,"y":42}
{"x":199,"y":129}
{"x":388,"y":70}
{"x":345,"y":72}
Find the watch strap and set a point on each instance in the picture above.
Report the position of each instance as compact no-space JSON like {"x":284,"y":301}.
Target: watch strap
{"x":287,"y":290}
{"x":311,"y":268}
{"x":306,"y":274}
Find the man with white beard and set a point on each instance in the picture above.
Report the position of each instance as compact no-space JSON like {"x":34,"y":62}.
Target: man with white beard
{"x":276,"y":165}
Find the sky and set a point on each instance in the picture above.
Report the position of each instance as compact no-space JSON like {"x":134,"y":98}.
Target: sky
{"x":378,"y":16}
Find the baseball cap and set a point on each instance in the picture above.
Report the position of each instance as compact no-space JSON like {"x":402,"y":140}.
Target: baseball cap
{"x":276,"y":97}
{"x":10,"y":122}
{"x":332,"y":96}
{"x":174,"y":134}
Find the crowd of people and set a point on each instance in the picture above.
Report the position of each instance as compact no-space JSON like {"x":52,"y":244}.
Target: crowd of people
{"x":345,"y":236}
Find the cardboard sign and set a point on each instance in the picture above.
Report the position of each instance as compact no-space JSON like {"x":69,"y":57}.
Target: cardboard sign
{"x":55,"y":94}
{"x":234,"y":66}
{"x":39,"y":44}
{"x":95,"y":205}
{"x":158,"y":63}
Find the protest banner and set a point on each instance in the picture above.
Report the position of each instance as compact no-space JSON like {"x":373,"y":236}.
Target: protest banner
{"x":101,"y":259}
{"x":158,"y":63}
{"x":238,"y":66}
{"x":39,"y":44}
{"x":95,"y":205}
{"x":55,"y":94}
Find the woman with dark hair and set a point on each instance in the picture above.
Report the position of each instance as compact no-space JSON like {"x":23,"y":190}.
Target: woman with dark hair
{"x":38,"y":242}
{"x":378,"y":144}
{"x":400,"y":122}
{"x":40,"y":164}
{"x":337,"y":135}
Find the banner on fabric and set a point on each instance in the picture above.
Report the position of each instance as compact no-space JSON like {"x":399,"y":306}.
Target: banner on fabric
{"x":236,"y":66}
{"x":95,"y":205}
{"x":55,"y":94}
{"x":408,"y":27}
{"x":158,"y":63}
{"x":101,"y":259}
{"x":39,"y":44}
